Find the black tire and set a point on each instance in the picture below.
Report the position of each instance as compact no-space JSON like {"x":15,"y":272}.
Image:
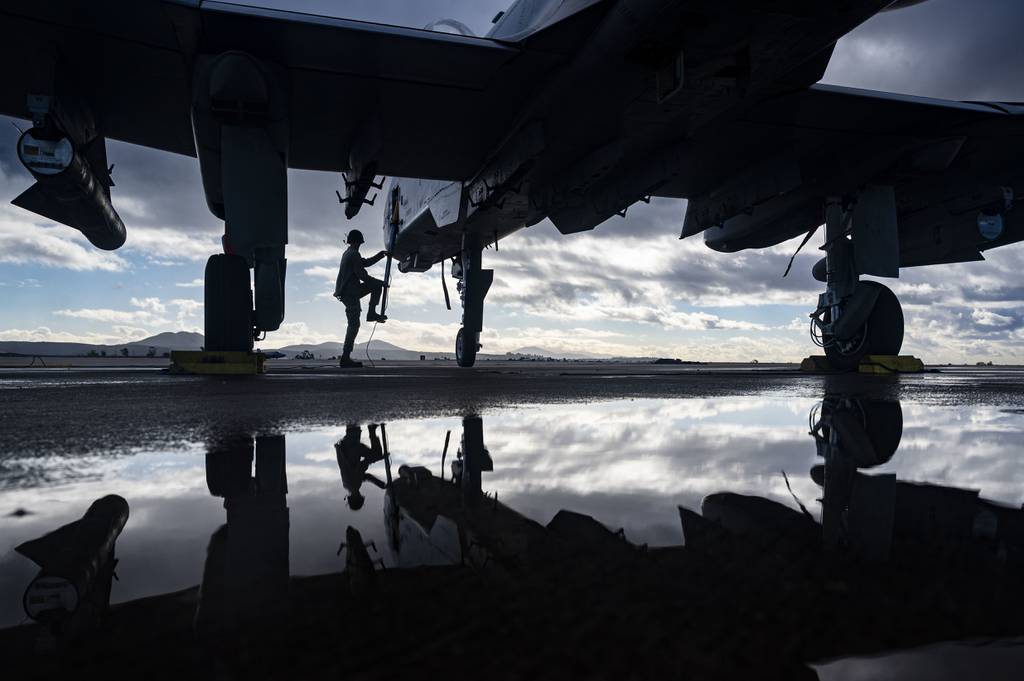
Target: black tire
{"x":883,"y":421}
{"x":466,"y":344}
{"x":884,"y":332}
{"x":885,"y":326}
{"x":228,"y":304}
{"x":229,"y":468}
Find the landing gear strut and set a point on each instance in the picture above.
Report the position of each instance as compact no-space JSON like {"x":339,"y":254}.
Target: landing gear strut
{"x":852,"y":434}
{"x":473,"y":284}
{"x":854,"y":318}
{"x":240,"y":119}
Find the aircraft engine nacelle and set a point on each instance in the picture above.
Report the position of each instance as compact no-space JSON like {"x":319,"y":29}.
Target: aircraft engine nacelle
{"x":67,"y":189}
{"x":767,"y":225}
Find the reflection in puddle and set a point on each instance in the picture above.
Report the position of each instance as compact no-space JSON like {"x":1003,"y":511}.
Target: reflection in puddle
{"x":789,"y":523}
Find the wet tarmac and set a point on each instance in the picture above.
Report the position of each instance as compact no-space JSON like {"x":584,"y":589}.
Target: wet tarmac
{"x":83,"y":410}
{"x":523,"y":520}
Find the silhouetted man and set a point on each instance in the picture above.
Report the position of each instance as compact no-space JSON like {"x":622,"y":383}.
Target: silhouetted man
{"x":354,"y":458}
{"x":353,"y":283}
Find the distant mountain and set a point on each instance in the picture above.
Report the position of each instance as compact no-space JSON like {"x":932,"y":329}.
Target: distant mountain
{"x":556,"y":354}
{"x":173,"y":340}
{"x":378,"y":350}
{"x":154,"y":346}
{"x":162,"y":344}
{"x":49,"y":349}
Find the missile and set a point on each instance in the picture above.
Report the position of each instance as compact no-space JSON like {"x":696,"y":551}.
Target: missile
{"x":67,"y":190}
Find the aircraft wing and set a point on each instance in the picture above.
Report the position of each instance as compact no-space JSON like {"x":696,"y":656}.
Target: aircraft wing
{"x":848,"y":135}
{"x":441,"y":101}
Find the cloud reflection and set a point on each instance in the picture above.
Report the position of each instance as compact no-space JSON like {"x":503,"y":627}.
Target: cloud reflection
{"x":627,"y":463}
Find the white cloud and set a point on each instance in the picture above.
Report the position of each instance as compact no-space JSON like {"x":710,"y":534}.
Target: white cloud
{"x":22,"y":283}
{"x":195,"y":283}
{"x":989,"y":318}
{"x":121,"y":334}
{"x":321,"y":272}
{"x":23,"y":242}
{"x":129,"y":334}
{"x":150,"y":311}
{"x":187,"y":305}
{"x":297,"y":333}
{"x":106,"y":315}
{"x":189,"y":312}
{"x":149,"y":304}
{"x":169,"y":246}
{"x":303,"y":249}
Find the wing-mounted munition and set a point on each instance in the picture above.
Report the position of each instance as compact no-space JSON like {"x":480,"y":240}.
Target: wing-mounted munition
{"x":72,"y":181}
{"x":361,"y":175}
{"x":72,"y":590}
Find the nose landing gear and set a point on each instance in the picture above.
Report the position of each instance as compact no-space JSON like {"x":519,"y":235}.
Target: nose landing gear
{"x":473,"y":284}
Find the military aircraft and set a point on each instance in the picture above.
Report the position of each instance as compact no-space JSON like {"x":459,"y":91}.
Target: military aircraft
{"x":568,"y":110}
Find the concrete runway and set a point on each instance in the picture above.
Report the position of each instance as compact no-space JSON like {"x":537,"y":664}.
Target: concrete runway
{"x":128,"y":405}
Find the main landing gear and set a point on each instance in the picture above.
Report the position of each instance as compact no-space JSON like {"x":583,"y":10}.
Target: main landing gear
{"x":854,"y":318}
{"x":240,"y":117}
{"x":853,"y":434}
{"x":473,"y":284}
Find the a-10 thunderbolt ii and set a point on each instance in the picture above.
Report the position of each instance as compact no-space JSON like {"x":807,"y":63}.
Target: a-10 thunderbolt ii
{"x":570,"y":110}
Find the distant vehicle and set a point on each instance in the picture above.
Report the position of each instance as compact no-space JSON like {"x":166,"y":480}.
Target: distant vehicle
{"x":567,"y":110}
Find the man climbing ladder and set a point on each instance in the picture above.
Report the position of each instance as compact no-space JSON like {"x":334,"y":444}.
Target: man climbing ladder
{"x":353,"y":283}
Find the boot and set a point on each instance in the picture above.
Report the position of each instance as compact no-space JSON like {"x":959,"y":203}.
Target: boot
{"x":347,"y":362}
{"x":372,"y":316}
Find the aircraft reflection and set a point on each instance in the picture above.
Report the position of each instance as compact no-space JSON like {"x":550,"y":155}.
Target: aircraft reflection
{"x":869,"y":516}
{"x":852,"y":434}
{"x":760,"y":588}
{"x":433,"y":521}
{"x":245,"y":576}
{"x":875,"y":515}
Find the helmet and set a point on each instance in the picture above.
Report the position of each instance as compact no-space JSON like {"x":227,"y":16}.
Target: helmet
{"x":355,"y":237}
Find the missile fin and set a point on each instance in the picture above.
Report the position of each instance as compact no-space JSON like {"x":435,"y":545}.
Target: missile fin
{"x":40,"y":202}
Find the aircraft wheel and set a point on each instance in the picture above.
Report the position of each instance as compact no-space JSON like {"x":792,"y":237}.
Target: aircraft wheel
{"x":465,"y":348}
{"x":881,"y":335}
{"x":228,"y":304}
{"x":883,"y":421}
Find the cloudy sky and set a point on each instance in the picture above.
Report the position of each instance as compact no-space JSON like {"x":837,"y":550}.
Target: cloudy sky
{"x":629,"y":287}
